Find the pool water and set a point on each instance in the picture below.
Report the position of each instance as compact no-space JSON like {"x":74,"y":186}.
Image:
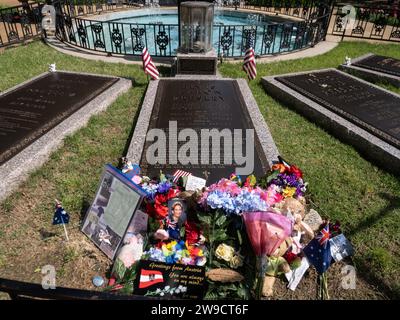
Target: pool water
{"x":153,"y":16}
{"x":152,"y":27}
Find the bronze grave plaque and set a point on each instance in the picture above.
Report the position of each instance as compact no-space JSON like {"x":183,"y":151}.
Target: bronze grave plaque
{"x":31,"y":110}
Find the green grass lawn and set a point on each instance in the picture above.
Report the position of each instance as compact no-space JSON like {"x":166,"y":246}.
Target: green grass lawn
{"x":343,"y":185}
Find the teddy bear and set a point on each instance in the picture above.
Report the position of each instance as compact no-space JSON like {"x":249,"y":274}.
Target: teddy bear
{"x":295,"y":208}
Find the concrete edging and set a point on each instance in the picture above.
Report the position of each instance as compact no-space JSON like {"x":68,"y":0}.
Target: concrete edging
{"x":265,"y":139}
{"x":17,"y":169}
{"x":369,"y":145}
{"x":369,"y":75}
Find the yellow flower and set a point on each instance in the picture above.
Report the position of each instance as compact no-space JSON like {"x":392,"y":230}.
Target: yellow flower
{"x":289,"y":192}
{"x":224,"y":252}
{"x":236,"y":262}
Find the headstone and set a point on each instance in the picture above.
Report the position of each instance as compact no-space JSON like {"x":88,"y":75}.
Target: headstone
{"x":38,"y":106}
{"x":197,"y":105}
{"x":373,"y":109}
{"x":197,"y":63}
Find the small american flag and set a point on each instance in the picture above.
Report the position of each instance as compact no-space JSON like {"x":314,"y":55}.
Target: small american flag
{"x":180,"y":173}
{"x":249,"y":64}
{"x":148,"y":65}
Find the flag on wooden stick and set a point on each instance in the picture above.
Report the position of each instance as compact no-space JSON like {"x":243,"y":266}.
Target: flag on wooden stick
{"x":61,"y":217}
{"x":148,"y":65}
{"x":249,"y":64}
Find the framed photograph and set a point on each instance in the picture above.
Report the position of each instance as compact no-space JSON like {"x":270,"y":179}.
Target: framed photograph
{"x":113,"y":208}
{"x":176,"y":217}
{"x":177,"y":211}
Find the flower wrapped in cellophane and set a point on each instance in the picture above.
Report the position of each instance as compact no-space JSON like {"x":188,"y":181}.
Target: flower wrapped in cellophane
{"x":266,"y":232}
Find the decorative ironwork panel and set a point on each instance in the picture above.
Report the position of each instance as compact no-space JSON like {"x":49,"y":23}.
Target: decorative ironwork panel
{"x":358,"y":30}
{"x":25,"y":25}
{"x":286,"y":33}
{"x":98,"y":33}
{"x":137,"y":38}
{"x":248,"y":38}
{"x":226,"y":39}
{"x":13,"y":36}
{"x":82,"y":34}
{"x":339,"y":24}
{"x":162,"y":40}
{"x":395,"y":34}
{"x":379,"y":26}
{"x":300,"y":34}
{"x":80,"y":11}
{"x":116,"y":38}
{"x":269,"y":38}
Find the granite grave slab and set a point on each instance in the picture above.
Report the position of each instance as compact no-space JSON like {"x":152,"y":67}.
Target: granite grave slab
{"x":36,"y":115}
{"x":362,"y":114}
{"x":201,"y":104}
{"x":375,"y":69}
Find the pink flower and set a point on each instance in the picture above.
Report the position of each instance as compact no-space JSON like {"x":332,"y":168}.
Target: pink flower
{"x":271,"y":196}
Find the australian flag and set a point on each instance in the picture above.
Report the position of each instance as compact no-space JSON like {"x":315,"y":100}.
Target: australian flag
{"x":60,"y":216}
{"x":318,"y":251}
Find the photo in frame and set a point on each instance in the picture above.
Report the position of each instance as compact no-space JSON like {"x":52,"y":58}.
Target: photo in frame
{"x":176,"y":217}
{"x":113,"y":208}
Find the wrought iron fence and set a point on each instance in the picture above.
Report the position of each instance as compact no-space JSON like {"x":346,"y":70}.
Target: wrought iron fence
{"x":20,"y":23}
{"x":75,"y":27}
{"x":376,"y":23}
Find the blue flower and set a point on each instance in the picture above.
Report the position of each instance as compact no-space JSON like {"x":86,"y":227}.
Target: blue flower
{"x":164,"y":187}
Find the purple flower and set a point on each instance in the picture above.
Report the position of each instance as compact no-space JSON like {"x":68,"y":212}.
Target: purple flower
{"x":164,"y":187}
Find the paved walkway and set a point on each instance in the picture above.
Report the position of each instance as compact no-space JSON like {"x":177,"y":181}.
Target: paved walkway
{"x":318,"y":49}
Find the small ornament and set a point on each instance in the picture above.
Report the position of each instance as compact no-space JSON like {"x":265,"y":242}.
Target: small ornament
{"x":52,"y":67}
{"x":97,"y":281}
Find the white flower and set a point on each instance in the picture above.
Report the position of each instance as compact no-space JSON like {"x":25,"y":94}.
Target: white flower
{"x":177,"y":291}
{"x":158,"y":290}
{"x":167,"y":288}
{"x":162,"y":294}
{"x":184,"y":289}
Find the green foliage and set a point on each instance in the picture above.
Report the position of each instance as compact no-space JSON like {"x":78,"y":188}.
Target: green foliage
{"x":236,"y":291}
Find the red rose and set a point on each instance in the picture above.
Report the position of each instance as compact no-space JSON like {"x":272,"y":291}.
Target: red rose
{"x":290,"y":257}
{"x":161,"y":211}
{"x":192,"y":232}
{"x":296,"y":171}
{"x":172,"y":193}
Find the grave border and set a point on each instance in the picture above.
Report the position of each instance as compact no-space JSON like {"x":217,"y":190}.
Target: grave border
{"x":370,"y":146}
{"x":369,"y":75}
{"x":263,"y":134}
{"x":18,"y":168}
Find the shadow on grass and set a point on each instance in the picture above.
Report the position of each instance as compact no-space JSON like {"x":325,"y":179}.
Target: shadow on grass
{"x":364,"y":268}
{"x":394,"y":203}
